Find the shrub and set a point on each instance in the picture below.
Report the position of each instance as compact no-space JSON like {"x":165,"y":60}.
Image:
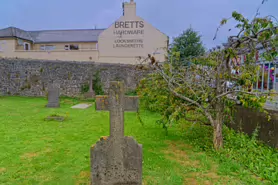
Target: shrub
{"x":131,"y":93}
{"x":246,"y":151}
{"x":155,"y":96}
{"x":85,"y":88}
{"x":97,"y":85}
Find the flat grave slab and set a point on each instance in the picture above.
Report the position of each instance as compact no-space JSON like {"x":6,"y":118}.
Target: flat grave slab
{"x":81,"y":106}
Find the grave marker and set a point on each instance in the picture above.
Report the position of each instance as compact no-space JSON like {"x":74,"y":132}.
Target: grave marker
{"x":131,"y":103}
{"x":91,"y":93}
{"x":81,"y":106}
{"x":116,"y":160}
{"x":53,"y":97}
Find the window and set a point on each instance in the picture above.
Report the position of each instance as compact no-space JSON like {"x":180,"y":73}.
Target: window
{"x":67,"y":47}
{"x":26,"y":46}
{"x":71,"y":47}
{"x":47,"y":47}
{"x":42,"y":47}
{"x":2,"y":45}
{"x":74,"y":47}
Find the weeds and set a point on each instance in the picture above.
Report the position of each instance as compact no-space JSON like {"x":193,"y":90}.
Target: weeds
{"x":239,"y":148}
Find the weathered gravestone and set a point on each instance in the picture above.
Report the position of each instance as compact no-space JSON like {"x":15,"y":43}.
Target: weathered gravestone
{"x":53,"y":97}
{"x":91,"y":93}
{"x":116,"y":160}
{"x":131,"y":103}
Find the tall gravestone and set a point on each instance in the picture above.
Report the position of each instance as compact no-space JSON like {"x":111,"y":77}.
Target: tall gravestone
{"x":53,"y":97}
{"x":117,"y":159}
{"x":91,"y":93}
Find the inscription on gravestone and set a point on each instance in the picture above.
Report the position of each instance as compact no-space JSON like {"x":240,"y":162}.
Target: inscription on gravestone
{"x":53,"y":97}
{"x":131,"y":103}
{"x":116,"y":160}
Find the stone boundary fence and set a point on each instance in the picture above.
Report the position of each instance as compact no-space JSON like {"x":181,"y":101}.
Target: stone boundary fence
{"x":248,"y":120}
{"x":24,"y":77}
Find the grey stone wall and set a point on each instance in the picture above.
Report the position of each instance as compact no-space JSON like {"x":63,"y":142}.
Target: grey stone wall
{"x":32,"y":77}
{"x":247,"y":120}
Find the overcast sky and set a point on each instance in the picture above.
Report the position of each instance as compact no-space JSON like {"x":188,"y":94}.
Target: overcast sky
{"x":169,"y":16}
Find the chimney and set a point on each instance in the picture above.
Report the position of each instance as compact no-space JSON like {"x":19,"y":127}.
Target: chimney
{"x":129,"y":8}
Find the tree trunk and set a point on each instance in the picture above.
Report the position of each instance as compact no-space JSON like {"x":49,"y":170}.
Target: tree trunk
{"x":217,"y":126}
{"x":217,"y":134}
{"x":219,"y":109}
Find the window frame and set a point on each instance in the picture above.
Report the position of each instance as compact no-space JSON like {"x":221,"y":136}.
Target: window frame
{"x":68,"y":47}
{"x":24,"y":46}
{"x":42,"y":46}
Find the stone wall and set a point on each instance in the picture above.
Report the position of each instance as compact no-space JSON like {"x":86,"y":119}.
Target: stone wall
{"x":32,"y":77}
{"x":247,"y":120}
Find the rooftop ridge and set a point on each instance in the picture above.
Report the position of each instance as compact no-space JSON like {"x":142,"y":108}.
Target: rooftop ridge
{"x":67,"y":29}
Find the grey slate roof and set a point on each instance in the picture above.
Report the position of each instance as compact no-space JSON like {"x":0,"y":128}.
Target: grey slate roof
{"x":88,"y":35}
{"x":15,"y":32}
{"x":53,"y":36}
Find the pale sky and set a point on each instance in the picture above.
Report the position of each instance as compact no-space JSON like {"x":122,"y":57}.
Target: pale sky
{"x":169,"y":16}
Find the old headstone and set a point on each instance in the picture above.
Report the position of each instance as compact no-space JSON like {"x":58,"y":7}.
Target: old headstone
{"x":116,"y":160}
{"x":53,"y":97}
{"x":91,"y":93}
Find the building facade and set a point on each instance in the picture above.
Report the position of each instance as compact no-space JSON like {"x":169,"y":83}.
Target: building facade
{"x":125,"y":41}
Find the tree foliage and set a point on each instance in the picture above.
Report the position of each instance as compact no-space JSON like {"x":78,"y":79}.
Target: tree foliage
{"x":188,"y":44}
{"x":203,"y":87}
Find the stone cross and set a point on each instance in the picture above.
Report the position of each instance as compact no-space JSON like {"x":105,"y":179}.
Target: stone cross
{"x":53,"y":97}
{"x":116,"y":160}
{"x":91,"y":93}
{"x":130,"y":103}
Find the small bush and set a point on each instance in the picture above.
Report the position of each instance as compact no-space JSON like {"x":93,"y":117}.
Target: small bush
{"x":131,"y":93}
{"x":85,"y":88}
{"x":97,"y":85}
{"x":56,"y":117}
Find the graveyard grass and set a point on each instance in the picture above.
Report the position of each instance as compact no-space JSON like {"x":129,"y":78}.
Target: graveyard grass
{"x":35,"y":151}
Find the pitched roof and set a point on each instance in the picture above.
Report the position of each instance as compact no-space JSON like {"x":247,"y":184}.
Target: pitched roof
{"x":15,"y":32}
{"x":50,"y":36}
{"x":86,"y":35}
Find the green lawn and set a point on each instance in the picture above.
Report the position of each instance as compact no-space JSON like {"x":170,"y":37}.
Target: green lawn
{"x":34,"y":151}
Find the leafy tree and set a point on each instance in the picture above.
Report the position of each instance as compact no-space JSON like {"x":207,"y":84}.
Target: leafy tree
{"x":188,"y":44}
{"x":202,"y":87}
